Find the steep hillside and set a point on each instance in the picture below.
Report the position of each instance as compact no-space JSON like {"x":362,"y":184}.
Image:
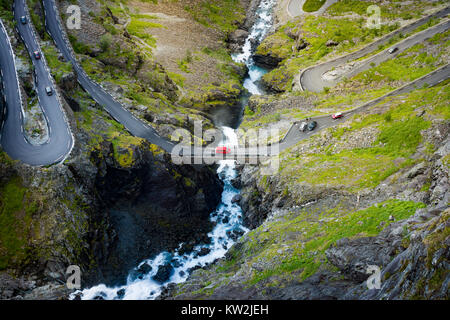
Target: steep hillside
{"x":373,"y":191}
{"x":308,"y":39}
{"x":73,"y":212}
{"x":370,"y":189}
{"x":157,"y":56}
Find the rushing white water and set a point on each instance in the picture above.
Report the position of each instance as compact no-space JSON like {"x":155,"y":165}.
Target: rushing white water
{"x":257,"y":33}
{"x":141,"y":283}
{"x":228,"y":220}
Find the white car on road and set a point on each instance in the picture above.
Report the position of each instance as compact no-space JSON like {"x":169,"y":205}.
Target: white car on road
{"x":303,"y":126}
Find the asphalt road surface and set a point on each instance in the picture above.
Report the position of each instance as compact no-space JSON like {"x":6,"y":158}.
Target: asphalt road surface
{"x":60,"y":141}
{"x":135,"y":126}
{"x":311,"y":78}
{"x":294,"y":135}
{"x":254,"y":155}
{"x":13,"y":139}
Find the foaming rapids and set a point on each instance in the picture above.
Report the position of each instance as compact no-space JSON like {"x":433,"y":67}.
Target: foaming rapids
{"x":151,"y":276}
{"x":228,"y":227}
{"x":257,"y":33}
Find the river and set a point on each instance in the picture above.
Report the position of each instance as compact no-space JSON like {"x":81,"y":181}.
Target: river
{"x":151,"y":276}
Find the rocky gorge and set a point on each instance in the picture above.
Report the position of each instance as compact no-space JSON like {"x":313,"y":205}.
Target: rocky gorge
{"x":343,"y":200}
{"x":113,"y":202}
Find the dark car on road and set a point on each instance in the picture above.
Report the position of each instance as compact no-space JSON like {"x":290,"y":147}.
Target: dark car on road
{"x":23,"y":20}
{"x":37,"y":55}
{"x":312,"y":125}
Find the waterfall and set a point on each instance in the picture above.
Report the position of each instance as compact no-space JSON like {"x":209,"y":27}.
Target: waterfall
{"x":257,"y":34}
{"x":142,"y":281}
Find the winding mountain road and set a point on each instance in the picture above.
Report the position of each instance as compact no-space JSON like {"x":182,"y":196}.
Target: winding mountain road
{"x":310,"y":79}
{"x":135,"y":126}
{"x":60,"y":140}
{"x":294,"y":135}
{"x":13,"y":137}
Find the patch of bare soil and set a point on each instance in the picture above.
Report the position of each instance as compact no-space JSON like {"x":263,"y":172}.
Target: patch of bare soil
{"x":182,"y":36}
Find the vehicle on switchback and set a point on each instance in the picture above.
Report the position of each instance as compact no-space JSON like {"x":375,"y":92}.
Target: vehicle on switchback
{"x":337,"y":115}
{"x":312,"y":125}
{"x":392,"y":50}
{"x":48,"y":91}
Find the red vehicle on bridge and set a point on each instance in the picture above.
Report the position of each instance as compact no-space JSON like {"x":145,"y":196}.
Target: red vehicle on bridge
{"x":222,"y":150}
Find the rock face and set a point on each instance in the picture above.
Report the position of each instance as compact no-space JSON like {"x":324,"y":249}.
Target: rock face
{"x":419,"y":270}
{"x":114,"y":216}
{"x":267,"y":61}
{"x":236,"y":39}
{"x":412,"y":252}
{"x":68,"y":81}
{"x":146,"y":207}
{"x":236,"y":199}
{"x":163,"y":274}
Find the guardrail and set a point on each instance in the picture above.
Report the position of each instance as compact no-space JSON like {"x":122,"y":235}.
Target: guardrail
{"x":81,"y":70}
{"x":22,"y":112}
{"x":52,"y":80}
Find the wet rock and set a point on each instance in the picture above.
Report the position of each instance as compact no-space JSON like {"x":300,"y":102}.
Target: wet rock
{"x":145,"y":268}
{"x":267,"y":61}
{"x":73,"y":103}
{"x":176,"y":263}
{"x":236,"y":199}
{"x":68,"y":81}
{"x":190,"y":270}
{"x":164,"y":273}
{"x":204,"y":251}
{"x":121,"y":293}
{"x":61,"y":57}
{"x":10,"y":287}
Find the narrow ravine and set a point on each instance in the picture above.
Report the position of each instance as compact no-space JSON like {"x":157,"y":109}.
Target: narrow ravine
{"x":151,"y":276}
{"x":258,"y":32}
